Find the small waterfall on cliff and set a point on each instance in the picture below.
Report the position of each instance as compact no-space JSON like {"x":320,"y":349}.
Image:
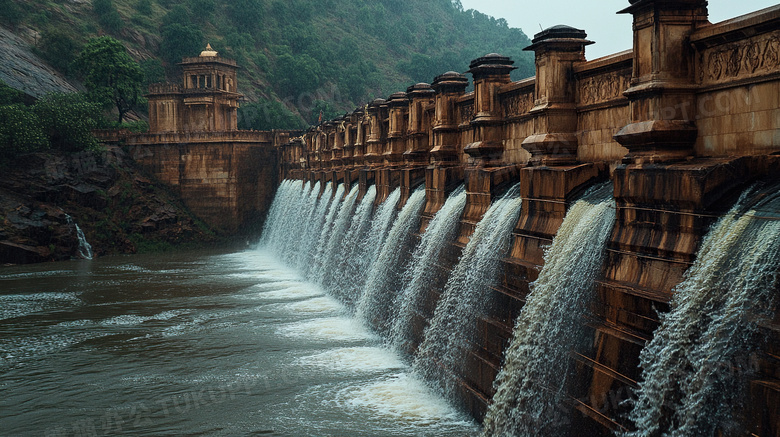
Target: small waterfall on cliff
{"x":331,"y":257}
{"x":85,"y":249}
{"x":384,"y":276}
{"x":419,"y":276}
{"x":348,"y":275}
{"x":695,"y":365}
{"x":532,"y":384}
{"x":451,"y":328}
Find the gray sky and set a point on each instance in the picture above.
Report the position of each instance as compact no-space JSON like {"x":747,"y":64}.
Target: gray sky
{"x":610,"y":32}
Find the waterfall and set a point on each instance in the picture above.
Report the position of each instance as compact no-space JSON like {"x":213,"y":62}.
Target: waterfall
{"x":85,"y":249}
{"x":348,"y":275}
{"x":288,"y":197}
{"x":532,"y":384}
{"x":331,"y":257}
{"x":460,"y":304}
{"x":384,"y":277}
{"x":694,"y":367}
{"x":420,"y":276}
{"x":314,"y":267}
{"x":310,"y":229}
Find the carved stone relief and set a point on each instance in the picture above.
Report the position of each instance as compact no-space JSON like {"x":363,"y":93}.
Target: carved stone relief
{"x":751,"y":56}
{"x":597,"y":89}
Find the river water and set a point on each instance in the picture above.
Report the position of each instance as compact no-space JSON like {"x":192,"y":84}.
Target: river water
{"x":198,"y":343}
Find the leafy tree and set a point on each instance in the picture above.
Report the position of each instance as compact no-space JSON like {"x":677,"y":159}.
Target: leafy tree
{"x":68,"y":121}
{"x":203,"y":9}
{"x":154,"y":72}
{"x":180,"y":41}
{"x":108,"y":16}
{"x":20,"y":132}
{"x":10,"y":96}
{"x":12,"y":13}
{"x":59,"y":49}
{"x":329,"y":112}
{"x":296,"y":75}
{"x":144,"y":7}
{"x":246,"y":14}
{"x":267,"y":115}
{"x":112,"y":77}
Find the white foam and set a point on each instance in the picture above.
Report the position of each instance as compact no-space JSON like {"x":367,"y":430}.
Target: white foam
{"x":328,"y":328}
{"x":17,"y":305}
{"x":355,"y":359}
{"x":301,"y":291}
{"x":402,"y":398}
{"x":132,"y":319}
{"x":317,"y":305}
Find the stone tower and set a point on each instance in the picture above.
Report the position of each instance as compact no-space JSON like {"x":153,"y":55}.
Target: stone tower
{"x":205,"y":102}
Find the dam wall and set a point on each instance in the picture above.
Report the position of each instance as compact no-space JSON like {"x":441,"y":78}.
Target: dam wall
{"x":680,"y":126}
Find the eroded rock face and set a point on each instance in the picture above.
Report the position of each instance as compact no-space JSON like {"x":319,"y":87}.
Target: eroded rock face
{"x":117,"y":207}
{"x":23,"y":70}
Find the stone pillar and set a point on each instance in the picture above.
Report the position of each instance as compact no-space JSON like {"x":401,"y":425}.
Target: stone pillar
{"x":663,"y":91}
{"x":397,"y":108}
{"x":490,"y":72}
{"x":418,"y":143}
{"x":557,"y":50}
{"x":446,"y":171}
{"x":448,"y":87}
{"x":487,"y":175}
{"x":376,"y":134}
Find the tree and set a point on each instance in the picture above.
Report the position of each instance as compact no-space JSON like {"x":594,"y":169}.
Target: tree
{"x":68,"y":121}
{"x":267,"y":115}
{"x":59,"y":49}
{"x":112,"y":77}
{"x":108,"y":16}
{"x":144,"y":7}
{"x":296,"y":75}
{"x":20,"y":132}
{"x":179,"y":41}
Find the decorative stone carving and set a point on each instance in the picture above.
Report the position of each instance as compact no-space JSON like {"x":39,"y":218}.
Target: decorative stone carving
{"x":744,"y":58}
{"x":465,"y":113}
{"x":597,"y":89}
{"x":518,"y":104}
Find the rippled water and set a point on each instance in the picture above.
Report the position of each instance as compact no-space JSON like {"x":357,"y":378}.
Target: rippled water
{"x":198,"y":344}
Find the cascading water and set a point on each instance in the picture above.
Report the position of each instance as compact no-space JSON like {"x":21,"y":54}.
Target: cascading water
{"x":313,"y":268}
{"x":280,"y":217}
{"x":692,"y":374}
{"x":331,"y":258}
{"x":349,"y":272}
{"x":313,"y":225}
{"x":532,"y":384}
{"x":420,"y":275}
{"x":85,"y":249}
{"x":384,"y":277}
{"x":448,"y":333}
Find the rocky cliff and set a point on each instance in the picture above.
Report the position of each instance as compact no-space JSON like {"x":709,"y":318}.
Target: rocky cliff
{"x":119,"y":209}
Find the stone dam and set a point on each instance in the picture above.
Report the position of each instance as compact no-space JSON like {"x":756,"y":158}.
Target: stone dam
{"x":592,"y":251}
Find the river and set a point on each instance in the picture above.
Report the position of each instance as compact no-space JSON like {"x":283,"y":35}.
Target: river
{"x":198,"y":343}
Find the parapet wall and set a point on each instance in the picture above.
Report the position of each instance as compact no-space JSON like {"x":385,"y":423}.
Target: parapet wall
{"x":228,"y":179}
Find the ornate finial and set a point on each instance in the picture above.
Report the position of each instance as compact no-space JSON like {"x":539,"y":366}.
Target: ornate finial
{"x":209,"y":52}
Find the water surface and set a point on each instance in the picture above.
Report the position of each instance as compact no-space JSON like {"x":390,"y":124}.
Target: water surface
{"x":198,"y":343}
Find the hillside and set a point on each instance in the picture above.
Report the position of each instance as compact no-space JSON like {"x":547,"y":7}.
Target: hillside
{"x":299,"y":57}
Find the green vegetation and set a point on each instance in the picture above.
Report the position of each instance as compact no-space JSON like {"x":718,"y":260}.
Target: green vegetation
{"x":337,"y":54}
{"x":58,"y":121}
{"x":112,"y":77}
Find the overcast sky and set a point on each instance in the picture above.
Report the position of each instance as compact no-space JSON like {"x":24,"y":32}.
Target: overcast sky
{"x":610,"y":32}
